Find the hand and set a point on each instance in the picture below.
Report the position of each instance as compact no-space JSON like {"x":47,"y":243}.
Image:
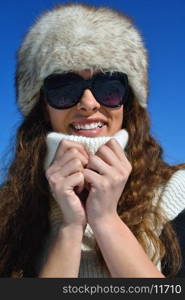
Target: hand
{"x":107,"y":173}
{"x":65,"y":176}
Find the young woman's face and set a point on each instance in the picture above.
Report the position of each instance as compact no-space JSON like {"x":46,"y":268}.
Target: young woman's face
{"x":87,"y":112}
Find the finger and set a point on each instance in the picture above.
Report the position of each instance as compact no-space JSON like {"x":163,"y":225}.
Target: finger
{"x":107,"y":155}
{"x":119,"y":152}
{"x":79,"y":188}
{"x":71,"y":167}
{"x":65,"y":145}
{"x":91,"y":177}
{"x":69,"y":155}
{"x":75,"y":180}
{"x":96,"y":164}
{"x":116,"y":148}
{"x":58,"y":182}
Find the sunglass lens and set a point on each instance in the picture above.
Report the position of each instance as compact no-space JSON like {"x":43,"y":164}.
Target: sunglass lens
{"x":110,"y":93}
{"x":112,"y":99}
{"x":62,"y":91}
{"x":57,"y":98}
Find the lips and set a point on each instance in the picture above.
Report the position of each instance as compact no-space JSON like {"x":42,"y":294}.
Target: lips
{"x":87,"y":121}
{"x":98,"y":131}
{"x":90,"y":127}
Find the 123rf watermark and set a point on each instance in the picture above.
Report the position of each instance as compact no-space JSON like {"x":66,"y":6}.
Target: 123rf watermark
{"x":98,"y":289}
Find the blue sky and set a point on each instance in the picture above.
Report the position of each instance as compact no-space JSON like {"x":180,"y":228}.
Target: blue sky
{"x":162,"y":23}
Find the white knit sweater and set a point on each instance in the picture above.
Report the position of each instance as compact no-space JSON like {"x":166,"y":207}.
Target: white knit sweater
{"x":172,"y":201}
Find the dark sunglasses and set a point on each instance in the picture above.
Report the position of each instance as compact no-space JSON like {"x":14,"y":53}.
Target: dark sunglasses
{"x":65,"y":90}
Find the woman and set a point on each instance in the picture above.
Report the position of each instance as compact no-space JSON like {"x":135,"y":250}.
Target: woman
{"x":82,"y":71}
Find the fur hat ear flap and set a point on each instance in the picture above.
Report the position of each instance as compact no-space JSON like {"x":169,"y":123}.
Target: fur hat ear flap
{"x":74,"y":37}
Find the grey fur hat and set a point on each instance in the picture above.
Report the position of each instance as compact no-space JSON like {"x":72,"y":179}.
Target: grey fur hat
{"x":74,"y":37}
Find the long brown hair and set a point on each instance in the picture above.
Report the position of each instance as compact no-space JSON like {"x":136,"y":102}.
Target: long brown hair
{"x":25,"y":197}
{"x":149,"y":175}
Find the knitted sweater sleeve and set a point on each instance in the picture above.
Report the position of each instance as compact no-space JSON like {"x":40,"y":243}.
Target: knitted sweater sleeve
{"x":173,"y":195}
{"x":171,"y":200}
{"x":173,"y":203}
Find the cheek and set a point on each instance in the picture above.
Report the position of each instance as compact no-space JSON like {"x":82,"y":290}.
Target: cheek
{"x":117,"y":121}
{"x":118,"y":117}
{"x":57,"y":118}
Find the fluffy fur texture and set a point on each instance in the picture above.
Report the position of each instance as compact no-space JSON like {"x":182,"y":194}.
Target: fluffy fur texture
{"x":76,"y":37}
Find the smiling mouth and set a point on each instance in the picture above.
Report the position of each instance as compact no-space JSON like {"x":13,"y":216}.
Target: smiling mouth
{"x":91,"y":126}
{"x":93,"y":129}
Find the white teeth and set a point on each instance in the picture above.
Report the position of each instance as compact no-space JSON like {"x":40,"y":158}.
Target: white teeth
{"x":89,"y":126}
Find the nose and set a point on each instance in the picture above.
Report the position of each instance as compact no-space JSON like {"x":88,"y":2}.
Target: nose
{"x":88,"y":102}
